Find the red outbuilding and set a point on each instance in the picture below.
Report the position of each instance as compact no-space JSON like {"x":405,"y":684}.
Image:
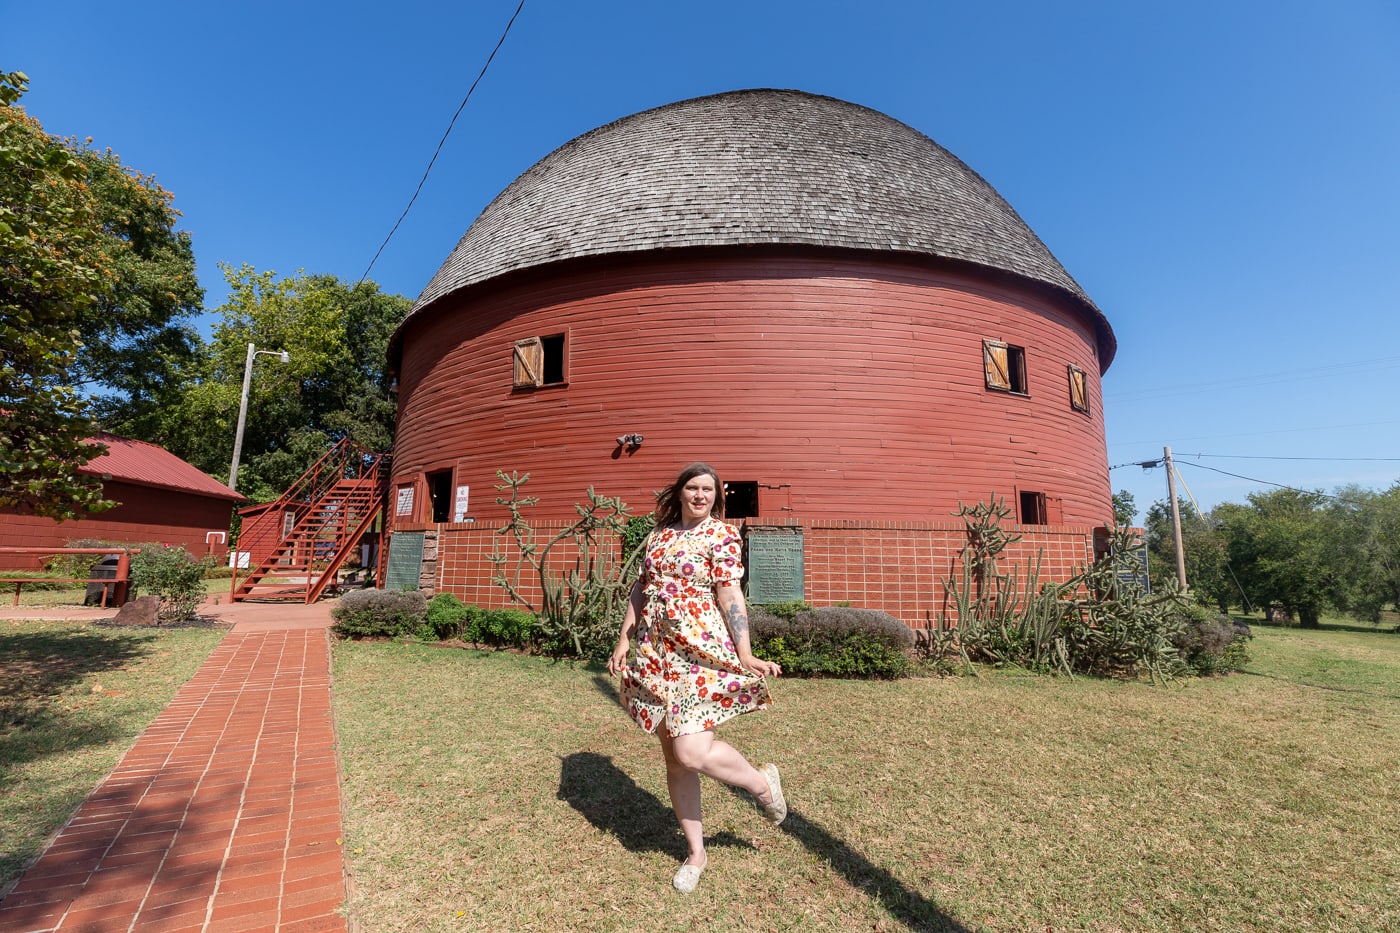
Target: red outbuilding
{"x":847,"y":321}
{"x":160,"y":497}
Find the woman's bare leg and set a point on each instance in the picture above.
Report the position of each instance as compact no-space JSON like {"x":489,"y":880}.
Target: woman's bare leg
{"x":703,"y":753}
{"x":684,"y":786}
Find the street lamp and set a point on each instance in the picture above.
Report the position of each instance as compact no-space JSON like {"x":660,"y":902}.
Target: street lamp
{"x":243,"y":408}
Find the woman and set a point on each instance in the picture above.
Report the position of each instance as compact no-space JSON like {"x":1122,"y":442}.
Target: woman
{"x":694,"y":666}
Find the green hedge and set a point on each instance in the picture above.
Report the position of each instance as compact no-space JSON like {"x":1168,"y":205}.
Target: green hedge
{"x":836,"y":641}
{"x":449,"y":617}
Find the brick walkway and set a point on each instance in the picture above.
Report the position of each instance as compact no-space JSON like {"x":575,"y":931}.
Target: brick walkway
{"x":225,"y":814}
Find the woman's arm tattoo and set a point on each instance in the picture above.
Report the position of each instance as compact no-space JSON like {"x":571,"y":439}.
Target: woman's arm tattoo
{"x":737,"y":618}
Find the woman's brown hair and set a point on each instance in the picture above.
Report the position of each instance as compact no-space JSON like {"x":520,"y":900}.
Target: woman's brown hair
{"x":668,"y":502}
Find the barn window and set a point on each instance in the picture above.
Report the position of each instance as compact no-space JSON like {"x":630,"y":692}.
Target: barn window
{"x":1005,"y":366}
{"x":1033,"y":509}
{"x":740,"y":500}
{"x":539,"y":361}
{"x":1078,"y":389}
{"x":440,"y":494}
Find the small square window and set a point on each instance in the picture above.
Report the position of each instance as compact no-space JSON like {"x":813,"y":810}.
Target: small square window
{"x":539,"y":361}
{"x":1078,"y":389}
{"x":1004,"y":366}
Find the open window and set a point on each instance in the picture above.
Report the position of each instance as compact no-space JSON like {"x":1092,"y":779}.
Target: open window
{"x":1033,"y":509}
{"x":1078,"y":389}
{"x":440,"y":495}
{"x":1005,"y":366}
{"x":740,"y":500}
{"x":539,"y":361}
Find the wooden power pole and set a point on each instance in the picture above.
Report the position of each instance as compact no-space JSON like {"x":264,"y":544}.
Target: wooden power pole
{"x":1176,"y":518}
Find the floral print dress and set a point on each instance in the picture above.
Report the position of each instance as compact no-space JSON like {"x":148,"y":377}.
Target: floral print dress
{"x":686,"y":672}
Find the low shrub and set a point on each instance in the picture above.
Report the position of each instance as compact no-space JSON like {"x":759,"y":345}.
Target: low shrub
{"x":379,"y":613}
{"x":173,"y":575}
{"x":786,"y":611}
{"x":502,"y":628}
{"x":834,"y":641}
{"x":446,"y":616}
{"x":1212,"y":644}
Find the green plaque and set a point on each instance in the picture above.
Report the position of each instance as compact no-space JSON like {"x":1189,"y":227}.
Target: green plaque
{"x":775,"y":566}
{"x":405,"y":561}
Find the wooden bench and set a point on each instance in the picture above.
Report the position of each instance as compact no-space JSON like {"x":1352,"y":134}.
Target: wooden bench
{"x":116,"y":585}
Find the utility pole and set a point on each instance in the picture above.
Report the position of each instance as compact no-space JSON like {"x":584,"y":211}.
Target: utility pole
{"x":1176,"y":518}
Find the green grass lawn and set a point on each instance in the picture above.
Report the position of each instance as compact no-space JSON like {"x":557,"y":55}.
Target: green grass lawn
{"x":73,"y":698}
{"x":493,"y":791}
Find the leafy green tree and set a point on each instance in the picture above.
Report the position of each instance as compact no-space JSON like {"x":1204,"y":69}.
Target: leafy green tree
{"x":1206,"y":575}
{"x":335,"y":385}
{"x":137,"y":339}
{"x":1279,"y":548}
{"x":1124,"y":507}
{"x":1364,"y":547}
{"x":53,"y":269}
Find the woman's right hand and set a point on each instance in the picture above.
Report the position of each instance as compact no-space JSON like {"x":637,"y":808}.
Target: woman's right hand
{"x":618,"y":661}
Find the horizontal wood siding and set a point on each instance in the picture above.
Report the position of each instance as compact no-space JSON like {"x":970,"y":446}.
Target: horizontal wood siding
{"x":858,"y":384}
{"x":144,"y":515}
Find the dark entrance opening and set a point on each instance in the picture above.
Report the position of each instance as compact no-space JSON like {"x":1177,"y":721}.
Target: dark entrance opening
{"x":440,"y":495}
{"x":1033,"y":509}
{"x":740,"y":500}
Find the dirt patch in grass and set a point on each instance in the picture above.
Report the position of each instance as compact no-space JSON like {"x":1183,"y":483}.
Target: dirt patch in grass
{"x":488,"y":790}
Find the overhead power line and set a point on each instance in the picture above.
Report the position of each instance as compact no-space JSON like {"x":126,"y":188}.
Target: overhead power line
{"x":460,"y":107}
{"x":1261,"y":457}
{"x":1260,"y":379}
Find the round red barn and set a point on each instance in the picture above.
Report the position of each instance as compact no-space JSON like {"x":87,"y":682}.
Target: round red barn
{"x":831,"y":308}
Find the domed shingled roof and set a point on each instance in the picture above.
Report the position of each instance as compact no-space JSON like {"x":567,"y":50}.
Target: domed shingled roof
{"x":752,"y":167}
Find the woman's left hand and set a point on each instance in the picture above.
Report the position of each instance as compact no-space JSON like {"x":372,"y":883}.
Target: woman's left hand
{"x":761,"y":667}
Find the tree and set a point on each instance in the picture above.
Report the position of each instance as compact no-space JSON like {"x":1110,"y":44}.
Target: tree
{"x":336,"y":384}
{"x":1124,"y":507}
{"x":1206,"y":575}
{"x":137,"y":341}
{"x":1364,"y":547}
{"x":53,"y":268}
{"x":1279,"y":549}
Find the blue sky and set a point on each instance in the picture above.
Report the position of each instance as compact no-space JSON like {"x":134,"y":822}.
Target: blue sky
{"x":1222,"y":178}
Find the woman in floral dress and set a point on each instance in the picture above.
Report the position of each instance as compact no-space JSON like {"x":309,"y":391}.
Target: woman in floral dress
{"x":693,"y":667}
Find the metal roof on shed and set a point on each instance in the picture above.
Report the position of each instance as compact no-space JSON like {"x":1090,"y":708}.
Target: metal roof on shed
{"x":149,"y":465}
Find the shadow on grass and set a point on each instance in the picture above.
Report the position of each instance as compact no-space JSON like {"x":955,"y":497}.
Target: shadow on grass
{"x":904,"y":904}
{"x":39,"y":666}
{"x":615,"y":804}
{"x":1329,"y":687}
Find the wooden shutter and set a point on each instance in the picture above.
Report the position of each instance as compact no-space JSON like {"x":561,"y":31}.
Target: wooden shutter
{"x":1078,"y":389}
{"x":994,"y":360}
{"x":529,"y":362}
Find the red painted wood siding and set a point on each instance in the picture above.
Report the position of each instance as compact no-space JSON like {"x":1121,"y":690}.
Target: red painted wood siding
{"x":857,"y":383}
{"x":145,"y":515}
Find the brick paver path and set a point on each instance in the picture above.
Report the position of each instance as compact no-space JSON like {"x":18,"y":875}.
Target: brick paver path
{"x":225,"y":815}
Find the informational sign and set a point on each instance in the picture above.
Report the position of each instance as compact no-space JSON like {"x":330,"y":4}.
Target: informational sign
{"x":459,"y":505}
{"x":775,"y":566}
{"x":405,"y":561}
{"x":403,"y":506}
{"x":1136,"y":571}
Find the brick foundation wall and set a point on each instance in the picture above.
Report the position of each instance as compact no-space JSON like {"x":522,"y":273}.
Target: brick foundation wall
{"x":896,"y":567}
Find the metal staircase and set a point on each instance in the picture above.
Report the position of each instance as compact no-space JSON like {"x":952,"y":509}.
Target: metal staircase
{"x":297,"y":544}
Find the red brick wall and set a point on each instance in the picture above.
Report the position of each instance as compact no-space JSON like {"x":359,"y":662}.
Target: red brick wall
{"x":896,"y":567}
{"x":144,"y":515}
